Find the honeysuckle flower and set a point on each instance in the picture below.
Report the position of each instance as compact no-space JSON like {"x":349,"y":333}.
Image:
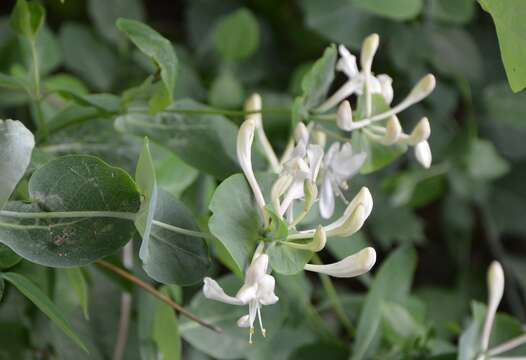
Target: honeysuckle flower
{"x":351,"y":220}
{"x":353,"y":265}
{"x":257,"y":290}
{"x":359,"y":82}
{"x":423,"y":154}
{"x":245,"y":137}
{"x":495,"y":291}
{"x":316,"y":244}
{"x":339,"y":165}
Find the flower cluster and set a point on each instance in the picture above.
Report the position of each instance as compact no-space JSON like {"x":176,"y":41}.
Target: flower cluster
{"x":312,"y":171}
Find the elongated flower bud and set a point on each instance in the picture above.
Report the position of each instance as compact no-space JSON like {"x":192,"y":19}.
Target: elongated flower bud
{"x":253,"y":103}
{"x":420,"y":133}
{"x":495,"y":292}
{"x":423,"y":154}
{"x":301,"y":133}
{"x":393,"y":131}
{"x":351,"y":266}
{"x":245,"y":138}
{"x":344,"y":116}
{"x":423,"y":88}
{"x":369,"y":47}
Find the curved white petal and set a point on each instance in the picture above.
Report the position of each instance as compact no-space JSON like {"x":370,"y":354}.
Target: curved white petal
{"x":245,"y":138}
{"x":347,"y":62}
{"x":243,"y":321}
{"x":386,"y":84}
{"x":212,"y":290}
{"x":326,"y":199}
{"x":265,"y":293}
{"x":354,"y":265}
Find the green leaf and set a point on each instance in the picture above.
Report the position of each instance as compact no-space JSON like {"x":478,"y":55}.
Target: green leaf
{"x":175,"y":258}
{"x":33,"y":293}
{"x":226,"y":91}
{"x":318,"y":79}
{"x":392,"y":9}
{"x":27,"y":18}
{"x":391,"y":283}
{"x":2,"y":287}
{"x":147,"y":184}
{"x":104,"y":14}
{"x":87,"y":56}
{"x":77,"y":281}
{"x":483,"y":161}
{"x":505,"y":106}
{"x":340,"y":21}
{"x":16,"y":146}
{"x":236,"y":35}
{"x":453,"y":11}
{"x":286,"y":260}
{"x":161,"y":51}
{"x":507,"y":16}
{"x":235,"y":219}
{"x":232,"y":343}
{"x":206,"y":142}
{"x":8,"y":258}
{"x":68,"y":184}
{"x":400,"y":323}
{"x":165,"y":330}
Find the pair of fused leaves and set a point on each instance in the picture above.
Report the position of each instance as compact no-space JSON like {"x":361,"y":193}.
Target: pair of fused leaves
{"x":238,"y":226}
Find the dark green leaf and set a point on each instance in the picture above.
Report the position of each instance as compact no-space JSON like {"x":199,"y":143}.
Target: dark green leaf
{"x":27,"y":18}
{"x":161,"y":51}
{"x":165,"y":330}
{"x":318,"y":79}
{"x":8,"y":258}
{"x":16,"y":145}
{"x":72,"y":183}
{"x":206,"y":142}
{"x":77,"y":281}
{"x":175,"y":258}
{"x":393,"y":9}
{"x":236,"y":35}
{"x":453,"y":11}
{"x":391,"y":283}
{"x":33,"y":293}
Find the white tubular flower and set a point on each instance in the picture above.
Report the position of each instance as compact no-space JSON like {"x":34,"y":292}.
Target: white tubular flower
{"x":317,"y":244}
{"x":357,"y":81}
{"x":257,"y":290}
{"x":423,"y":154}
{"x":354,"y":215}
{"x":253,"y":105}
{"x":495,"y":292}
{"x":339,"y":165}
{"x":344,"y":116}
{"x":353,"y":265}
{"x":245,"y":137}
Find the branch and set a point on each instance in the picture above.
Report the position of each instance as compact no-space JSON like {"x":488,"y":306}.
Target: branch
{"x":157,"y":294}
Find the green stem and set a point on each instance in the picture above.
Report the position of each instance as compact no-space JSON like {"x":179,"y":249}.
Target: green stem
{"x":98,"y":214}
{"x":182,"y":231}
{"x":42,"y":128}
{"x":329,"y":288}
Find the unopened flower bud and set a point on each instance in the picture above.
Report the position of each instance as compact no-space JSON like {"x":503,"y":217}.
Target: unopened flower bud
{"x":423,"y":154}
{"x":301,"y":133}
{"x":369,"y":47}
{"x":319,"y":240}
{"x":393,"y":131}
{"x":311,"y":194}
{"x":420,"y":133}
{"x":423,"y":88}
{"x":344,"y":116}
{"x":253,"y":103}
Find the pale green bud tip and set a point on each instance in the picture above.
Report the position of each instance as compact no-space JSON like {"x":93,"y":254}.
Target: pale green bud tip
{"x":253,"y":103}
{"x":393,"y":130}
{"x":369,"y":47}
{"x":320,"y":239}
{"x":421,"y":132}
{"x":423,"y":88}
{"x":344,"y":116}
